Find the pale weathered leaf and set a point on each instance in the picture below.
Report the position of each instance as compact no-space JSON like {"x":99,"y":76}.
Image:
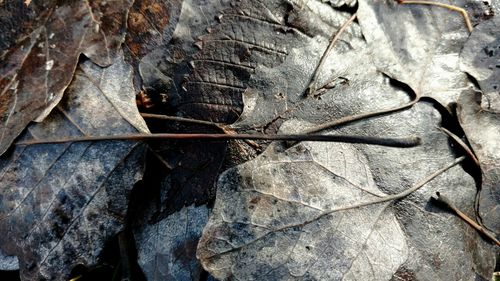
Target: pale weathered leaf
{"x":482,"y":128}
{"x":61,"y":202}
{"x":480,"y":57}
{"x":270,"y":231}
{"x":40,"y":46}
{"x":418,"y":45}
{"x":167,"y":249}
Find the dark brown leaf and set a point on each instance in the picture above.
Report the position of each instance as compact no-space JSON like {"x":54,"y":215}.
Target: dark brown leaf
{"x":41,"y":48}
{"x":150,"y":24}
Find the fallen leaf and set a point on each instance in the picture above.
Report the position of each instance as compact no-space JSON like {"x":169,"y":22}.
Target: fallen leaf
{"x":61,"y":202}
{"x":40,"y":47}
{"x":265,"y":222}
{"x":482,"y":128}
{"x":418,"y":45}
{"x":167,"y":249}
{"x":480,"y":57}
{"x":150,"y":24}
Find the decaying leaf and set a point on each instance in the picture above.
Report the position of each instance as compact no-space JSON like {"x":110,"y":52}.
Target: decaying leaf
{"x":39,"y":58}
{"x":167,"y":249}
{"x":61,"y":202}
{"x":482,"y":128}
{"x":273,"y":233}
{"x":263,"y":234}
{"x":480,"y":57}
{"x":418,"y":45}
{"x":150,"y":24}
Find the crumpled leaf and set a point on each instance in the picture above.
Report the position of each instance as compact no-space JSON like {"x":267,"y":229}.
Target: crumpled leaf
{"x":418,"y":45}
{"x":480,"y":57}
{"x":42,"y":43}
{"x":482,"y":128}
{"x":167,"y":249}
{"x":61,"y":202}
{"x":438,"y":244}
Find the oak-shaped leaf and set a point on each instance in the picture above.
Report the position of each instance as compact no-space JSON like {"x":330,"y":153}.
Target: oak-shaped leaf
{"x":482,"y":128}
{"x":40,"y":46}
{"x":60,"y":203}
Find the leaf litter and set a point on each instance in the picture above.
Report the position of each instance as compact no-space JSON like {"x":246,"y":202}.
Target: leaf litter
{"x":427,"y":239}
{"x":62,"y":202}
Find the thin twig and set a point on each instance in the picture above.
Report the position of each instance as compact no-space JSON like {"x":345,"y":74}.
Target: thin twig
{"x":462,"y":145}
{"x":442,"y":5}
{"x":443,"y":199}
{"x":182,"y":119}
{"x":353,"y":118}
{"x":311,"y":88}
{"x":393,"y":142}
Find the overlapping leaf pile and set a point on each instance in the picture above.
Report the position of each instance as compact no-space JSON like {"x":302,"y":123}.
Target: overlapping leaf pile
{"x":305,"y":211}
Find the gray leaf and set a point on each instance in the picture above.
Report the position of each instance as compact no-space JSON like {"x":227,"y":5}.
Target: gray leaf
{"x":61,"y":202}
{"x":480,"y":57}
{"x":482,"y":129}
{"x":166,"y":249}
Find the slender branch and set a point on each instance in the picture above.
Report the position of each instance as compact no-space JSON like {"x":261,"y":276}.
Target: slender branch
{"x":311,"y":88}
{"x":394,"y":142}
{"x":357,"y":117}
{"x":443,"y":199}
{"x":182,"y":119}
{"x":442,"y":5}
{"x":462,"y":144}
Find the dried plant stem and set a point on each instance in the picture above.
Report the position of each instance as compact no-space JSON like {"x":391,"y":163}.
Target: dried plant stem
{"x":449,"y":7}
{"x":183,"y":120}
{"x":357,"y":117}
{"x":393,"y":142}
{"x":311,"y":88}
{"x":443,"y":199}
{"x":462,"y":144}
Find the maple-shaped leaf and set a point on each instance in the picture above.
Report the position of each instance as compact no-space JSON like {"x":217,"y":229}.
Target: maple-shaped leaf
{"x":41,"y":44}
{"x":61,"y":203}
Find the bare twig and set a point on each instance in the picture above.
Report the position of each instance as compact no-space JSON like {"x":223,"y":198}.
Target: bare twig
{"x":311,"y":88}
{"x":450,"y":7}
{"x":393,"y":142}
{"x":357,"y":117}
{"x":443,"y":199}
{"x":182,"y":119}
{"x":462,"y":145}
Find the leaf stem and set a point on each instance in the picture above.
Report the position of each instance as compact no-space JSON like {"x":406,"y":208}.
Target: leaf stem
{"x":311,"y":88}
{"x":182,"y":119}
{"x":443,"y":199}
{"x":442,"y":5}
{"x":393,"y":142}
{"x":462,"y":144}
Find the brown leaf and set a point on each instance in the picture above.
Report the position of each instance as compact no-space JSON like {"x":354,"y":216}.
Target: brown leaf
{"x":150,"y":23}
{"x":42,"y":49}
